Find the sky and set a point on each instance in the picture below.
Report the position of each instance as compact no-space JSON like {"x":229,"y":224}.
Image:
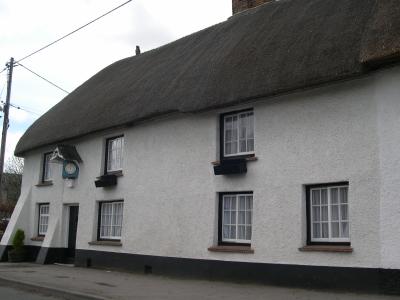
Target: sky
{"x":28,"y":25}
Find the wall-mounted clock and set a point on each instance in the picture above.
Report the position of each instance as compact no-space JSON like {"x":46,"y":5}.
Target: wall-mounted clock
{"x":70,"y":170}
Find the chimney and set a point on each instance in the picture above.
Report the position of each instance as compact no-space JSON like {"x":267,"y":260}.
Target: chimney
{"x":138,"y":50}
{"x":242,"y":5}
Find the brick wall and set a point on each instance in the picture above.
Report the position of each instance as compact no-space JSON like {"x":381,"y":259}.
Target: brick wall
{"x":241,"y":5}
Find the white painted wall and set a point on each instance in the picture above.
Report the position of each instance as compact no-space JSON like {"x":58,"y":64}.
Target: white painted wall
{"x":349,"y":131}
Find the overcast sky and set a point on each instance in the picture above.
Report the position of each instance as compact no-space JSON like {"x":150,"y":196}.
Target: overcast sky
{"x":28,"y":25}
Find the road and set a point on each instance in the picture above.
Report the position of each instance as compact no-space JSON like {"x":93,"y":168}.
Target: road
{"x":12,"y":293}
{"x":77,"y":283}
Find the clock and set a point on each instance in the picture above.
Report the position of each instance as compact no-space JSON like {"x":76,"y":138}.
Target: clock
{"x":70,"y":170}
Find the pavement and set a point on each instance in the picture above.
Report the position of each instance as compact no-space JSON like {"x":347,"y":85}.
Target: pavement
{"x":69,"y":282}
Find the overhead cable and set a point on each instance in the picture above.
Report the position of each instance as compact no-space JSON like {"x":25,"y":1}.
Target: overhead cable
{"x":72,"y":32}
{"x":48,"y":81}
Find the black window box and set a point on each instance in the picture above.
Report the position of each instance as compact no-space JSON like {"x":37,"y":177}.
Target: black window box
{"x":106,"y":181}
{"x":231,"y":166}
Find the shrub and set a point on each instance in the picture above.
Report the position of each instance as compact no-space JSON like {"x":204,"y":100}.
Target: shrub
{"x":18,"y":240}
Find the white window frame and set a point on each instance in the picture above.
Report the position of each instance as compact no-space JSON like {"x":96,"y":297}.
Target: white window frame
{"x":108,"y":166}
{"x":239,"y":241}
{"x":101,"y":207}
{"x":330,"y":239}
{"x":238,"y":114}
{"x":41,"y":217}
{"x":46,"y":167}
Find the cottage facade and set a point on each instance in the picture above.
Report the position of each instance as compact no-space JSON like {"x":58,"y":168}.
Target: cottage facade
{"x":269,"y":179}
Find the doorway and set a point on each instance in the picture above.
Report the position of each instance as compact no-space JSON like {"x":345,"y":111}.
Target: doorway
{"x":72,"y":229}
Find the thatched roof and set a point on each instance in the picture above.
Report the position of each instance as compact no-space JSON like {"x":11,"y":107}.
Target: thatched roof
{"x":275,"y":48}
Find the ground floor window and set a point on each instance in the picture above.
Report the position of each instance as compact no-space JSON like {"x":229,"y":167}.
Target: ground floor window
{"x":110,"y":220}
{"x":327,"y":213}
{"x":44,"y":214}
{"x":235,"y":218}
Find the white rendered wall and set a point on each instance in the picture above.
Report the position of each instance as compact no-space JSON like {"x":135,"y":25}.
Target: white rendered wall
{"x":349,"y":131}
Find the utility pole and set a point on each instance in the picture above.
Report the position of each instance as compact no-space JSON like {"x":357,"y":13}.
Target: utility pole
{"x":6,"y":109}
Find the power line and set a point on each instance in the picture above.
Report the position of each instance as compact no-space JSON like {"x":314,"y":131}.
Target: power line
{"x":21,"y":108}
{"x":48,"y":81}
{"x":72,"y":32}
{"x":24,"y":109}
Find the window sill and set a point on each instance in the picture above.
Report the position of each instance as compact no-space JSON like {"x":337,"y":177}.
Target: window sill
{"x":106,"y":243}
{"x":232,"y":249}
{"x":116,"y":173}
{"x":38,"y":239}
{"x":44,"y":183}
{"x":326,"y":248}
{"x":218,"y":162}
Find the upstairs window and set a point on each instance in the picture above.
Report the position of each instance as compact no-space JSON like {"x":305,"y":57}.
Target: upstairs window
{"x":235,"y":218}
{"x":46,"y":168}
{"x":43,"y":223}
{"x":114,"y":154}
{"x":237,"y":134}
{"x":328,"y":214}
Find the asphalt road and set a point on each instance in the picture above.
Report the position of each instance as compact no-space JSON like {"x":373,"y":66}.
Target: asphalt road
{"x":31,"y":281}
{"x":13,"y":293}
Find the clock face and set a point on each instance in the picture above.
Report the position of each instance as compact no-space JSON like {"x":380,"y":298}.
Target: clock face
{"x":70,"y":168}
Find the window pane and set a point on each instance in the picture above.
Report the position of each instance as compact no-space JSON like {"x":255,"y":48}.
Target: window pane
{"x":242,"y":146}
{"x":324,"y":197}
{"x":343,"y":212}
{"x":324,"y":213}
{"x":315,"y":197}
{"x":316,"y":230}
{"x":250,"y":129}
{"x":343,"y":195}
{"x":248,"y":217}
{"x":225,"y":232}
{"x":233,"y":217}
{"x":316,"y":213}
{"x":242,"y":202}
{"x":233,"y":203}
{"x":242,"y":217}
{"x":345,"y":229}
{"x":249,"y":202}
{"x":226,"y":218}
{"x":248,"y":233}
{"x":242,"y":233}
{"x":334,"y":196}
{"x":227,"y":202}
{"x":228,"y":123}
{"x":335,"y":229}
{"x":243,"y":127}
{"x":325,"y":230}
{"x":334,"y":212}
{"x":228,"y":149}
{"x":233,"y":232}
{"x":250,"y":145}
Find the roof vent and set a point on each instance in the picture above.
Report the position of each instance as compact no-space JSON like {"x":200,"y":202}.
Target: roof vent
{"x":138,"y":50}
{"x":242,"y":5}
